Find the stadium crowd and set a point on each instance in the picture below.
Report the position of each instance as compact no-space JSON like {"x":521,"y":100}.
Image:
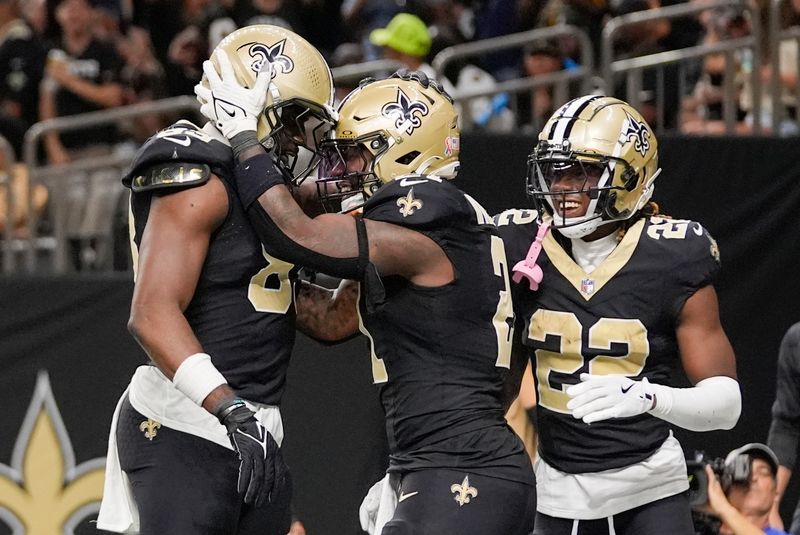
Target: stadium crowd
{"x":63,"y":57}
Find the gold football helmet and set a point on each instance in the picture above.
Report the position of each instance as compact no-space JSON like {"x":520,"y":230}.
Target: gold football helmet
{"x":299,"y":109}
{"x":405,"y":124}
{"x":603,"y":138}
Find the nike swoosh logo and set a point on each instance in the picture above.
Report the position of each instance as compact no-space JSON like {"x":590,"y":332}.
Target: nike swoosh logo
{"x":186,"y":141}
{"x":231,"y":113}
{"x":410,"y":182}
{"x":406,"y":496}
{"x":625,"y":390}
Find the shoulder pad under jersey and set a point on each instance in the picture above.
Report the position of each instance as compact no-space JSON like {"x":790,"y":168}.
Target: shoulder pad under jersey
{"x":516,"y":216}
{"x":419,"y":202}
{"x":171,"y":175}
{"x":183,"y":146}
{"x":688,"y":246}
{"x":517,"y":228}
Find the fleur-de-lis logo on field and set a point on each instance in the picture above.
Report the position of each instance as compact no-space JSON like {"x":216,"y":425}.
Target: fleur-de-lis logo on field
{"x":149,"y":428}
{"x":463,"y":492}
{"x":262,"y":52}
{"x":638,"y":132}
{"x":408,"y":204}
{"x":403,"y":112}
{"x":42,"y":492}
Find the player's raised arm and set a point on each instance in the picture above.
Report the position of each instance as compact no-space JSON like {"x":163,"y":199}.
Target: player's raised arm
{"x":337,"y":244}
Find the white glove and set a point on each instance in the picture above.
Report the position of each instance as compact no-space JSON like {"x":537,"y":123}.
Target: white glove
{"x":233,"y":109}
{"x":600,"y":397}
{"x":378,"y":506}
{"x":368,"y":510}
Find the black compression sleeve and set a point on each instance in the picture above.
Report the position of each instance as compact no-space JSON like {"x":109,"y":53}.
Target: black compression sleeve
{"x":282,"y":246}
{"x":254,"y":176}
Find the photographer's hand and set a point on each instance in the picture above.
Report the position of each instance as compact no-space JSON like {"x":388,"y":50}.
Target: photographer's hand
{"x":732,"y":520}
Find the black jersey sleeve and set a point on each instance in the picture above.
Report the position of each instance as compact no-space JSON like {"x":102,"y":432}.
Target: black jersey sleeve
{"x":420,"y":203}
{"x":517,"y":228}
{"x":182,"y":142}
{"x":692,"y":253}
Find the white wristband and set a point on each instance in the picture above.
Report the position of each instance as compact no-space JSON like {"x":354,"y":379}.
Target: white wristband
{"x":197,"y":376}
{"x":713,"y":403}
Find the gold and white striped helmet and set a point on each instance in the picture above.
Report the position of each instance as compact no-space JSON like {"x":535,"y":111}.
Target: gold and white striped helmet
{"x":607,"y":135}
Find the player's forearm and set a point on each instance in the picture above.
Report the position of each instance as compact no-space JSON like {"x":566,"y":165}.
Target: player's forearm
{"x":714,"y":403}
{"x":783,"y":477}
{"x":738,"y":523}
{"x":164,"y":334}
{"x":103,"y":95}
{"x":327,"y":315}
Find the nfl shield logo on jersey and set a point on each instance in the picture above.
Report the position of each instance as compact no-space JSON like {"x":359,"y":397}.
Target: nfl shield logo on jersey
{"x":587,"y":286}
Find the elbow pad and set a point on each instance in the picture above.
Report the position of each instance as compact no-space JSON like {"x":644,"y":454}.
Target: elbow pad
{"x":282,"y":246}
{"x":713,"y":403}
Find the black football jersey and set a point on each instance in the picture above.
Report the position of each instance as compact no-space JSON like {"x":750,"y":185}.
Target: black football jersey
{"x":619,"y":319}
{"x":441,"y":355}
{"x":242,"y":310}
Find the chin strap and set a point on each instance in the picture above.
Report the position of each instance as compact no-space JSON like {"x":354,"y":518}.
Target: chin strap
{"x":528,"y":268}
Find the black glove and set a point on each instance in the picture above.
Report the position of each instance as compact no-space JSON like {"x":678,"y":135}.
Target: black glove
{"x":262,"y":471}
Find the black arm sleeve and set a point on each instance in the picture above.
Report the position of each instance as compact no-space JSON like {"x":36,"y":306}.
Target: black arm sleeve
{"x":784,"y":431}
{"x":282,"y":246}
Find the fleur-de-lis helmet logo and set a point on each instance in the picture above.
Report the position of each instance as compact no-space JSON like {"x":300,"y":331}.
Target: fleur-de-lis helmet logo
{"x":404,"y":112}
{"x":262,"y":52}
{"x":637,"y":132}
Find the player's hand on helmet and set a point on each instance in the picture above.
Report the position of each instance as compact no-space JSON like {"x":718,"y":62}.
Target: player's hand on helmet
{"x":262,"y":471}
{"x":232,"y":107}
{"x":601,"y":397}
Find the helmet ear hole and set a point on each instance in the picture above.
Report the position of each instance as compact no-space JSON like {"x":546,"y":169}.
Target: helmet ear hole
{"x":630,"y":179}
{"x":408,"y":157}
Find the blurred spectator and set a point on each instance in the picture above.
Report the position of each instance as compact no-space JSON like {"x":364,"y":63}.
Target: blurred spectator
{"x":35,"y":14}
{"x":535,"y":107}
{"x":82,"y":75}
{"x":702,"y":110}
{"x":786,"y":108}
{"x":247,"y":12}
{"x":744,"y":506}
{"x":644,"y":39}
{"x":17,"y":175}
{"x":487,"y":113}
{"x":588,"y":15}
{"x":345,"y":54}
{"x":178,"y":42}
{"x":406,"y":39}
{"x":360,"y":17}
{"x":322,"y":24}
{"x":21,"y":66}
{"x":494,"y":18}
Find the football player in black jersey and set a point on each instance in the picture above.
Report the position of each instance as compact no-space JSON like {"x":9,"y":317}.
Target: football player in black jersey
{"x":434,"y":298}
{"x":214,"y":313}
{"x":622,"y":297}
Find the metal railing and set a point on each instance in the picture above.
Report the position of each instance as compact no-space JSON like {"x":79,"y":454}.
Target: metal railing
{"x":350,"y":75}
{"x":53,"y":177}
{"x":560,"y":80}
{"x":632,"y":67}
{"x":776,"y":37}
{"x":583,"y":75}
{"x":7,"y":179}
